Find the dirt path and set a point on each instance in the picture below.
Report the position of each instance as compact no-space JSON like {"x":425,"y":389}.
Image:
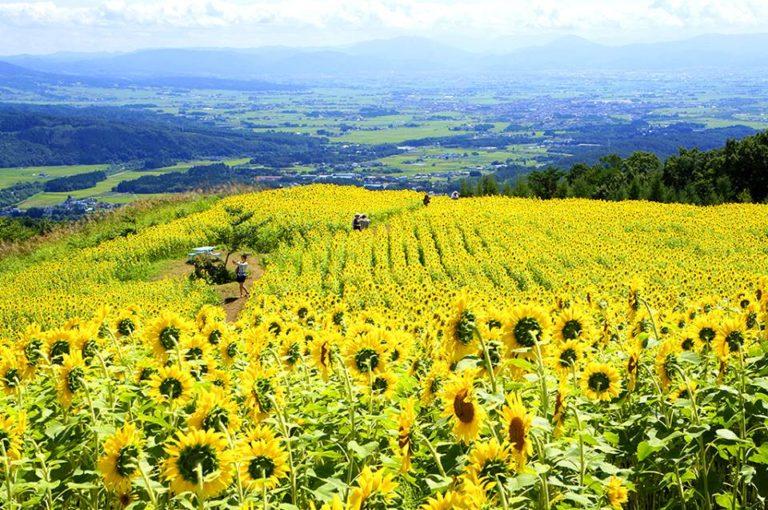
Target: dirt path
{"x":229,"y":293}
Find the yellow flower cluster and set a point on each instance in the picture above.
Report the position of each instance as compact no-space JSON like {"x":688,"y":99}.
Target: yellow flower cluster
{"x":472,"y":354}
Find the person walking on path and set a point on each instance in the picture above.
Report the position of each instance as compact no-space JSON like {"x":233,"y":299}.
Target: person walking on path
{"x":241,"y":274}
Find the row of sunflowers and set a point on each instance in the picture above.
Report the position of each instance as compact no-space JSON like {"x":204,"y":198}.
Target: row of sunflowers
{"x":487,"y":353}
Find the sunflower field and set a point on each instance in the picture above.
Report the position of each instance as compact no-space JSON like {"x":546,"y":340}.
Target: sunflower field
{"x":487,"y":353}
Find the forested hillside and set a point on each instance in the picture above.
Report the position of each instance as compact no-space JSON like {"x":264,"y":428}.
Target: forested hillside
{"x":62,"y":135}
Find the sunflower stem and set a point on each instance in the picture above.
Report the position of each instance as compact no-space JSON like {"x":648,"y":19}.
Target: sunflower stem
{"x":286,"y":433}
{"x":704,"y":465}
{"x":680,"y":488}
{"x":150,"y":490}
{"x":502,"y":493}
{"x":487,"y":356}
{"x":434,"y":452}
{"x":200,"y":487}
{"x":240,"y":494}
{"x":742,"y":431}
{"x":582,"y":465}
{"x":265,"y":496}
{"x":118,"y":348}
{"x":542,"y":374}
{"x":544,"y":495}
{"x":650,"y":316}
{"x":46,"y":475}
{"x":350,"y":396}
{"x":110,"y":389}
{"x":7,"y":467}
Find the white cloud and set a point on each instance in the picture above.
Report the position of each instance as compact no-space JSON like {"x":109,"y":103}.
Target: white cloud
{"x":332,"y":19}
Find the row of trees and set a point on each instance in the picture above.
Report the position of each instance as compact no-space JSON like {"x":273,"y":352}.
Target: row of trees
{"x":737,"y":172}
{"x":74,"y":182}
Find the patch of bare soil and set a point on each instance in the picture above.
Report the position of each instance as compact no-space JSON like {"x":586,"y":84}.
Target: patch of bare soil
{"x":229,"y":292}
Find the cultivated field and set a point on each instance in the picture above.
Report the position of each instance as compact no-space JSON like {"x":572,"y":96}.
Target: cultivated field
{"x":480,"y":353}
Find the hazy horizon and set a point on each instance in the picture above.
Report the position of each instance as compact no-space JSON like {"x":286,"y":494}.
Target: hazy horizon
{"x":51,"y":26}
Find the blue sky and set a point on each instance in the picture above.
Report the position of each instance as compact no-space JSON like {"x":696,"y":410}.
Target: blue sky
{"x":44,"y":26}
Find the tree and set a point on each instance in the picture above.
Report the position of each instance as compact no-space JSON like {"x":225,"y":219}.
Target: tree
{"x":641,"y":164}
{"x":544,"y":183}
{"x":236,"y":233}
{"x":487,"y":186}
{"x":465,"y":190}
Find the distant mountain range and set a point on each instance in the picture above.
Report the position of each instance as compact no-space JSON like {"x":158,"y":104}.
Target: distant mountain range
{"x":274,"y":67}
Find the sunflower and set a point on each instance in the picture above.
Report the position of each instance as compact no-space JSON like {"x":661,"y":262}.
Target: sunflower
{"x":126,"y":323}
{"x":688,"y":341}
{"x":382,"y":385}
{"x":473,"y":492}
{"x":567,"y":355}
{"x":574,"y":324}
{"x":634,"y":297}
{"x":451,"y":500}
{"x":164,"y":334}
{"x":751,"y":316}
{"x":334,"y":504}
{"x":373,"y":488}
{"x":214,"y":332}
{"x":303,"y":311}
{"x":617,"y":493}
{"x":11,"y":370}
{"x":367,"y":354}
{"x":321,"y":350}
{"x":260,"y":433}
{"x":198,"y":461}
{"x":71,"y":378}
{"x":273,"y":326}
{"x":461,"y":328}
{"x":666,"y":361}
{"x":261,"y":390}
{"x":600,"y":381}
{"x":731,"y":337}
{"x":558,"y":416}
{"x":460,"y":404}
{"x":400,"y":344}
{"x":633,"y":366}
{"x":221,"y":379}
{"x":292,"y":349}
{"x":120,"y":462}
{"x":683,"y":391}
{"x":338,"y":316}
{"x":58,"y":344}
{"x":230,"y":349}
{"x":12,"y":428}
{"x":493,"y":320}
{"x":262,"y":463}
{"x":524,"y":327}
{"x":209,"y":314}
{"x":196,"y":354}
{"x":705,"y":328}
{"x":171,"y":386}
{"x":87,"y":341}
{"x":489,"y":461}
{"x":145,"y":369}
{"x":31,"y":345}
{"x":432,"y":383}
{"x":517,"y":422}
{"x":214,"y":410}
{"x":403,"y":446}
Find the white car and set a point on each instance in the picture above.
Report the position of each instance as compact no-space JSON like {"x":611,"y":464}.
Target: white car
{"x":208,"y":251}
